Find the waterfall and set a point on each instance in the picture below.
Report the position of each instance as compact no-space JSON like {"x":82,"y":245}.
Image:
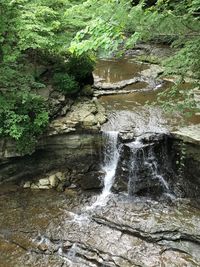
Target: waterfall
{"x":134,"y":164}
{"x":152,"y":163}
{"x":144,"y":168}
{"x":110,"y":161}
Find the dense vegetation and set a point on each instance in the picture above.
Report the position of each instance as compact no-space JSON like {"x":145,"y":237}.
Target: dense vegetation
{"x":53,"y":42}
{"x":34,"y":41}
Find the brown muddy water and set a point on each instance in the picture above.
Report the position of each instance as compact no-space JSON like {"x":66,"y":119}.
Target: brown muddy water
{"x":115,"y":70}
{"x":123,"y":69}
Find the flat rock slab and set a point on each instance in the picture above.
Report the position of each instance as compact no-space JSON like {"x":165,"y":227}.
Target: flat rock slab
{"x":48,"y":229}
{"x":116,"y":85}
{"x":190,"y":134}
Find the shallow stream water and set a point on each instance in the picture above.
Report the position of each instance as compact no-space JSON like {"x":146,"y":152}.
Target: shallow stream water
{"x":140,"y":101}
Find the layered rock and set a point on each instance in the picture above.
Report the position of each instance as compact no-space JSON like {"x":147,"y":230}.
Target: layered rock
{"x":84,"y":115}
{"x":77,"y":152}
{"x":72,"y":142}
{"x":55,"y":230}
{"x":186,"y":159}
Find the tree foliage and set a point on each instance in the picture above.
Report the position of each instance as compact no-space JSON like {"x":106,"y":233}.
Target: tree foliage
{"x":117,"y":24}
{"x":34,"y":39}
{"x":58,"y":38}
{"x":23,"y":117}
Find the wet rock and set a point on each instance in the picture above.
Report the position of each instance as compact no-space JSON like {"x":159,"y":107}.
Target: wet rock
{"x":153,"y":71}
{"x":185,"y":154}
{"x":70,"y":192}
{"x":61,"y":187}
{"x":91,"y":180}
{"x":57,"y":180}
{"x":127,"y":136}
{"x":144,"y":167}
{"x":115,"y":86}
{"x":188,"y":134}
{"x":72,"y":186}
{"x":126,"y":232}
{"x":102,"y":92}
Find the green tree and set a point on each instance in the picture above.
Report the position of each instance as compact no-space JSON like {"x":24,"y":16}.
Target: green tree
{"x":34,"y":39}
{"x":117,"y":24}
{"x":55,"y":38}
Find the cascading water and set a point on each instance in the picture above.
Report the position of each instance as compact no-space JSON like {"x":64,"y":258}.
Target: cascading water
{"x":135,"y":147}
{"x":110,"y":161}
{"x":144,"y":170}
{"x":152,"y":163}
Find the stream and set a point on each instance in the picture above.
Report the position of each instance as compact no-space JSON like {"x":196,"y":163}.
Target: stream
{"x":135,"y":220}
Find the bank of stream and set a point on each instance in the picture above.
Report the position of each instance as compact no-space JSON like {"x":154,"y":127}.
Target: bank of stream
{"x":137,"y":218}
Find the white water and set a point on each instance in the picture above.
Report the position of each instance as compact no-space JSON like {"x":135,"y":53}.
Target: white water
{"x":111,"y":157}
{"x":145,"y":159}
{"x":154,"y":168}
{"x":135,"y":145}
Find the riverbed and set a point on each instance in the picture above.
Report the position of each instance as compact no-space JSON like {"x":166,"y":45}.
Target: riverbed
{"x":109,"y":227}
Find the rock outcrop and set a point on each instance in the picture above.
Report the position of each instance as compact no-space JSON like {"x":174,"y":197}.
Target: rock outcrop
{"x":78,"y":152}
{"x":144,"y":166}
{"x":72,"y":142}
{"x":186,"y":158}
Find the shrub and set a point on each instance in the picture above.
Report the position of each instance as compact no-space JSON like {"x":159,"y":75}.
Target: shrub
{"x":65,"y":83}
{"x":81,"y":68}
{"x":23,"y":117}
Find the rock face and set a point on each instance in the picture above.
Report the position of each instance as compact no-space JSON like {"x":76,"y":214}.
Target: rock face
{"x":72,"y":143}
{"x":186,"y":158}
{"x":76,"y":152}
{"x":144,"y":166}
{"x":85,"y":114}
{"x":160,"y":165}
{"x":188,"y":134}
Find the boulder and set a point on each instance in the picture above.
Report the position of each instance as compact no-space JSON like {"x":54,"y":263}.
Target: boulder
{"x":44,"y":181}
{"x":60,"y":176}
{"x":27,"y":184}
{"x":34,"y":186}
{"x":90,"y":180}
{"x":54,"y":181}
